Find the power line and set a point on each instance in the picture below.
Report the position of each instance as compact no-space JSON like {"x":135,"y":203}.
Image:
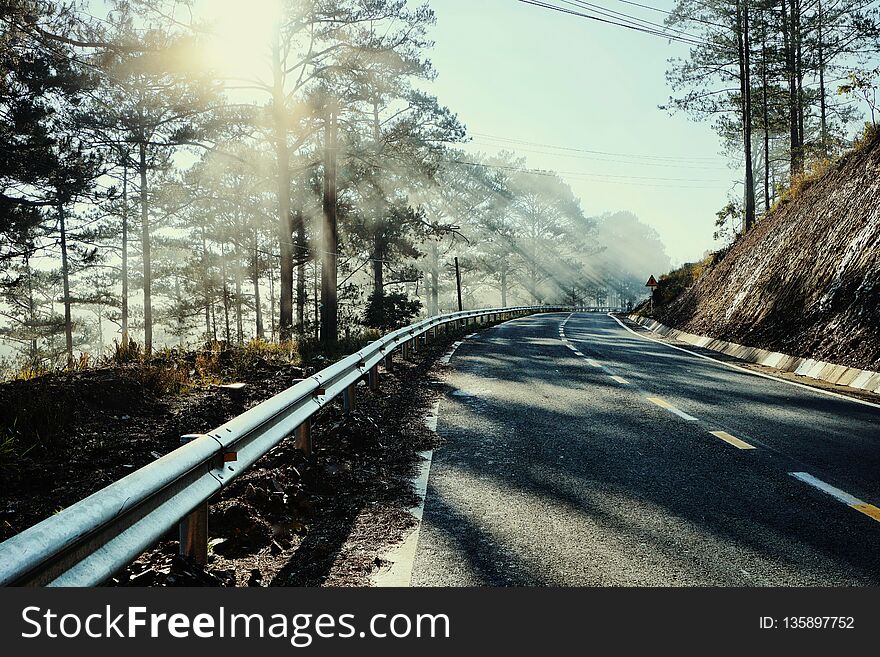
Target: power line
{"x":669,"y":13}
{"x":611,"y":13}
{"x":697,"y":159}
{"x":589,"y":176}
{"x":645,"y":30}
{"x":520,"y":149}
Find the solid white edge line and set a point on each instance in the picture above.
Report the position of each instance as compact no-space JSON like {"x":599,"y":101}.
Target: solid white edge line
{"x":403,"y":556}
{"x":829,"y":393}
{"x":828,"y":489}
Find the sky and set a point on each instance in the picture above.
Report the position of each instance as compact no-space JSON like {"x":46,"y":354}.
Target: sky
{"x":519,"y":72}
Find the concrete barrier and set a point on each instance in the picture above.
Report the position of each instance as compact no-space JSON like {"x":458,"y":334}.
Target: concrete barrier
{"x":809,"y":367}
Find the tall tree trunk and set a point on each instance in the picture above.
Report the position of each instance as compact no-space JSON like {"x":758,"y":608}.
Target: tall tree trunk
{"x":285,"y":239}
{"x":177,"y":298}
{"x":788,"y":38}
{"x":225,"y":288}
{"x":213,"y":320}
{"x":206,"y":282}
{"x":378,"y":252}
{"x":32,"y":315}
{"x":316,"y":297}
{"x":65,"y":275}
{"x":255,"y":281}
{"x":302,"y":257}
{"x":504,"y":283}
{"x":239,"y":305}
{"x":799,"y":74}
{"x":125,"y":336}
{"x":823,"y":112}
{"x":329,"y":310}
{"x":744,"y":48}
{"x":145,"y":249}
{"x":272,"y":303}
{"x":765,"y":112}
{"x":378,"y":257}
{"x":434,"y":295}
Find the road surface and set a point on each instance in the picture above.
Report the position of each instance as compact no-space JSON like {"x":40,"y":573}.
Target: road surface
{"x":580,"y":454}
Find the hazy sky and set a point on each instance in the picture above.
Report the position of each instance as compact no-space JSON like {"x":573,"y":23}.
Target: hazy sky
{"x":520,"y":72}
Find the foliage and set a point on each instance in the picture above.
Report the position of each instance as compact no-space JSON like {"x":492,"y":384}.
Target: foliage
{"x":676,"y":282}
{"x":801,"y":182}
{"x":863,"y":84}
{"x":390,"y":311}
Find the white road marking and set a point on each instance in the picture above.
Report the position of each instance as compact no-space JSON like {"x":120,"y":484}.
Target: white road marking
{"x":828,"y":489}
{"x":683,"y":415}
{"x":431,"y":419}
{"x":593,"y":363}
{"x":448,"y":355}
{"x":662,"y":403}
{"x":578,"y":353}
{"x":620,"y":379}
{"x":403,"y":556}
{"x":821,"y":391}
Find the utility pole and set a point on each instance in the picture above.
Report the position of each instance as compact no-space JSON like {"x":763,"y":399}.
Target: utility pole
{"x":458,"y":283}
{"x":329,"y":311}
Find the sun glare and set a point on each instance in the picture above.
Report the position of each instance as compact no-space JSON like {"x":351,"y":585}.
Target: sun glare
{"x":242,"y":32}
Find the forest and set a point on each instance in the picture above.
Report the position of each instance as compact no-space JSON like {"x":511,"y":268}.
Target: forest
{"x":155,"y":192}
{"x":783,"y":83}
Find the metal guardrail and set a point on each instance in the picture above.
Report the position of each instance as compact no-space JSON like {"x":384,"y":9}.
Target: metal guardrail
{"x":90,"y":541}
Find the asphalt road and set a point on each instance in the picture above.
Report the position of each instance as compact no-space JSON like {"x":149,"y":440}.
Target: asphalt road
{"x":556,"y":473}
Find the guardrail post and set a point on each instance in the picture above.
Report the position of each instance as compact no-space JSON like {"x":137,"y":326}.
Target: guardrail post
{"x":373,"y":377}
{"x":389,"y":362}
{"x":415,"y":343}
{"x":348,"y":398}
{"x":304,"y":437}
{"x":193,"y":527}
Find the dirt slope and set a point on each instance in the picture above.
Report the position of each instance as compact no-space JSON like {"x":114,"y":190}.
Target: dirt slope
{"x":806,"y":280}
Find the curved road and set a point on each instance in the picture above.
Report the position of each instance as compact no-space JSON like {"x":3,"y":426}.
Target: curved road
{"x":578,"y":453}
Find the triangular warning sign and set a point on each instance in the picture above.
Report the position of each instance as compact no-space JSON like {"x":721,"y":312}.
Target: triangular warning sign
{"x":652,"y":282}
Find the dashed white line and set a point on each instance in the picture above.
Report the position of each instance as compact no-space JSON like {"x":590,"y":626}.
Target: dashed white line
{"x":672,"y":409}
{"x":820,"y":391}
{"x":852,"y":502}
{"x":828,"y":489}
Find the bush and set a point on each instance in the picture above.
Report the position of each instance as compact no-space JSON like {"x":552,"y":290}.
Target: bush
{"x":678,"y":281}
{"x":390,"y":311}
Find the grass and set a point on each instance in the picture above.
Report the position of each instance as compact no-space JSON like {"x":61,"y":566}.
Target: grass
{"x":818,"y":168}
{"x":173,"y":372}
{"x":801,"y":182}
{"x":678,"y":281}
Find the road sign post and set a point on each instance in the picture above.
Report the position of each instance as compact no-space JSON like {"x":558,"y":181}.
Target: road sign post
{"x":653,"y":284}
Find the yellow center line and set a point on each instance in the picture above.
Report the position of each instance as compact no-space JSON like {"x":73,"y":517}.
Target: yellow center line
{"x":660,"y":402}
{"x":620,"y":379}
{"x":868,"y":509}
{"x":733,"y":440}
